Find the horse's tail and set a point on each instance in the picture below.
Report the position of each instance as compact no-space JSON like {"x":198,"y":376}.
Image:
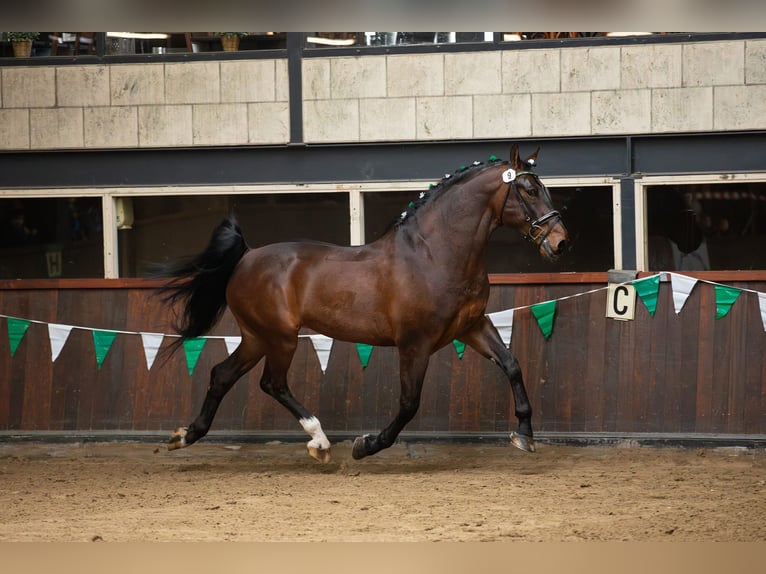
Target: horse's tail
{"x":198,"y":284}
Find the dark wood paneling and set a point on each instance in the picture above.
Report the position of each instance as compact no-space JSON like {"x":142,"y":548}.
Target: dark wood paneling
{"x":690,"y":345}
{"x":753,"y":415}
{"x":592,"y":352}
{"x":669,"y":373}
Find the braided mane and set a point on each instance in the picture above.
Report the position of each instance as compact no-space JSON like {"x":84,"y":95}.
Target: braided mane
{"x":448,"y":181}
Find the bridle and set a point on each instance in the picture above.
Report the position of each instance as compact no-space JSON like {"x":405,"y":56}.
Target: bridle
{"x":536,"y":234}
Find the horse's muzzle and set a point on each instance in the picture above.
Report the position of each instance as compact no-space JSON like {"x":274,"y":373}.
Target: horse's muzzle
{"x":553,"y":253}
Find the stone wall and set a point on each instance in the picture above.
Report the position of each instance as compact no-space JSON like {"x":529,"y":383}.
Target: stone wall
{"x":570,"y":91}
{"x":144,"y":105}
{"x":637,"y":89}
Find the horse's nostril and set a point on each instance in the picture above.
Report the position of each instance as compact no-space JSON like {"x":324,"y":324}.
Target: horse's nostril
{"x":561,"y":247}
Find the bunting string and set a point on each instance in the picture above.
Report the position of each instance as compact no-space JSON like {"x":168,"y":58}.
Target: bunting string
{"x":647,"y":289}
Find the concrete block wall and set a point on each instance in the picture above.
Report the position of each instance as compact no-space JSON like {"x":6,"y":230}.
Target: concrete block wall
{"x":144,"y":105}
{"x":569,"y":91}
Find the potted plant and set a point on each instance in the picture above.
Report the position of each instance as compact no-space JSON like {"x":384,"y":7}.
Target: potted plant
{"x":230,"y":40}
{"x":22,"y":42}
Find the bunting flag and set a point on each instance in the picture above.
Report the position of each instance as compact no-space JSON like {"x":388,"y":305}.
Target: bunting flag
{"x":544,"y":313}
{"x":647,"y":289}
{"x":102,"y":340}
{"x":151,"y":343}
{"x":503,"y":322}
{"x":364,"y":352}
{"x":192,"y":349}
{"x":232,"y":343}
{"x":322,"y":346}
{"x":58,"y":335}
{"x":682,"y":287}
{"x":16,"y":330}
{"x":724,"y":299}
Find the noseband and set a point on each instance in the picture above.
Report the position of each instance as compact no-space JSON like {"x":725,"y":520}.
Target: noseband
{"x":536,"y":234}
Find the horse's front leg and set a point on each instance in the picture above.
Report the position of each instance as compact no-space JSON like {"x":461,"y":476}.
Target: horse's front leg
{"x":412,"y":368}
{"x":485,"y":339}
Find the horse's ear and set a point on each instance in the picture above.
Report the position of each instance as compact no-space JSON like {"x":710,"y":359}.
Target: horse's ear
{"x":515,"y":159}
{"x":531,"y":161}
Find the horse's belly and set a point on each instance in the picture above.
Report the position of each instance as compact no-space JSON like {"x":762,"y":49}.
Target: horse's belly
{"x":343,"y":316}
{"x":342,"y":296}
{"x":353,"y":334}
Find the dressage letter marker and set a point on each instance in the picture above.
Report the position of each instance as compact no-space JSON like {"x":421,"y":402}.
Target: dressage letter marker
{"x":621,"y":302}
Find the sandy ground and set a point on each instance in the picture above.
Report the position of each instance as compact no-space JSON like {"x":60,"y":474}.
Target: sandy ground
{"x":416,"y":492}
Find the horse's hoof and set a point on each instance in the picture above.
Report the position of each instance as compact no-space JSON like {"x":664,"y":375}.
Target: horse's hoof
{"x":359,"y":450}
{"x":177,"y":439}
{"x":321,"y":454}
{"x":523,"y":442}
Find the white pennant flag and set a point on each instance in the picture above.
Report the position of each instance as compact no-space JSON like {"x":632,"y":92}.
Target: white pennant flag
{"x":152,"y":342}
{"x":232,"y":343}
{"x":682,"y":287}
{"x":322,"y":346}
{"x":503,"y":322}
{"x":762,"y":305}
{"x":58,"y":335}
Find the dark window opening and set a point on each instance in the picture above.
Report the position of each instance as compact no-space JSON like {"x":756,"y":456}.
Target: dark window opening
{"x":166,"y":228}
{"x":586,"y":211}
{"x":706,"y":227}
{"x":61,"y":237}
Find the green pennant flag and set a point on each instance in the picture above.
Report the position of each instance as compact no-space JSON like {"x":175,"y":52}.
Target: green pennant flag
{"x":16,"y":330}
{"x":459,"y":347}
{"x":102,"y":340}
{"x":364,"y":352}
{"x":724,"y":299}
{"x":192,"y":349}
{"x":544,"y":313}
{"x":647,"y":290}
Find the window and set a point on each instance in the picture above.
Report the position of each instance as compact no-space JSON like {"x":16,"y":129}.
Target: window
{"x":382,"y":210}
{"x":587,"y":213}
{"x":339,"y":39}
{"x":707,"y":226}
{"x":166,"y":228}
{"x":51,"y":237}
{"x":335,"y":39}
{"x":121,"y":43}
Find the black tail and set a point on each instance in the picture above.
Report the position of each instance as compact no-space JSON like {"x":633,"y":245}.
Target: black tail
{"x":199,"y":283}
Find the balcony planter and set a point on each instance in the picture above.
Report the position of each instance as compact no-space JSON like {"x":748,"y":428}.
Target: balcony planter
{"x":22,"y":43}
{"x":230,"y":40}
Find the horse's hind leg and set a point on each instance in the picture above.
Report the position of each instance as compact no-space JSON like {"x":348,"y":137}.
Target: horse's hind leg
{"x":274,"y":383}
{"x":486,"y":340}
{"x":222,"y":379}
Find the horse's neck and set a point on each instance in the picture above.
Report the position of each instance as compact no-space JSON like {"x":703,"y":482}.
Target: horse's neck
{"x":456,"y":228}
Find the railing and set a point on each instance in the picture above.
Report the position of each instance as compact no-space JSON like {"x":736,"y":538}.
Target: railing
{"x":98,"y":47}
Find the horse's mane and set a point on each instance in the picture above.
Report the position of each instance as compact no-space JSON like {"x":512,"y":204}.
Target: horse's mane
{"x":448,"y":181}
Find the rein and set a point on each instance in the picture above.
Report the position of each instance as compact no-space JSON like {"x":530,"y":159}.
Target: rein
{"x":535,"y":234}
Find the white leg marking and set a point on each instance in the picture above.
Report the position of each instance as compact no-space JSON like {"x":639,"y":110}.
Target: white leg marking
{"x":313,"y":427}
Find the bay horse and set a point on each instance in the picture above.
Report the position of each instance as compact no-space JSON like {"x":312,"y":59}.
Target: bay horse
{"x":420,"y":286}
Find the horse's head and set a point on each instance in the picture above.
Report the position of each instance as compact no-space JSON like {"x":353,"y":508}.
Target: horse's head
{"x":527,"y":206}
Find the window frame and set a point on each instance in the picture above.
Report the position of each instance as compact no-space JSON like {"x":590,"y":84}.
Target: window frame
{"x":641,"y":220}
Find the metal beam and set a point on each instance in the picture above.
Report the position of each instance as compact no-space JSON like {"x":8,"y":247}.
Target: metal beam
{"x":616,"y":156}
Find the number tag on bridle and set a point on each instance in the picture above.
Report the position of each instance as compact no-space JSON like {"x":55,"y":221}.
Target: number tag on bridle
{"x":509,"y":175}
